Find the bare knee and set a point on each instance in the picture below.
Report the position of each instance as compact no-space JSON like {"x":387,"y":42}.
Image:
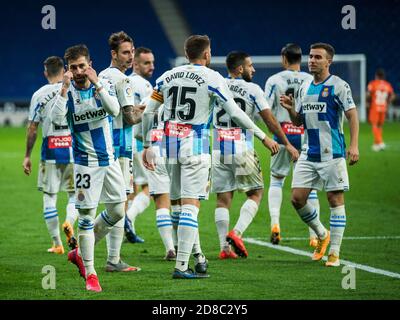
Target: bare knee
{"x":255,"y":195}
{"x":298,"y":200}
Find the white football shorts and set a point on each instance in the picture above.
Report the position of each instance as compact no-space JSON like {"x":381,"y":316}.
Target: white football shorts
{"x":240,"y":172}
{"x":328,"y":175}
{"x":96,"y":185}
{"x":53,"y":178}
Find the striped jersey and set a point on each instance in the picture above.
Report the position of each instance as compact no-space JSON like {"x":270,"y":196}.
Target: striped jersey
{"x":122,"y":133}
{"x":321,"y":107}
{"x":142,"y":88}
{"x":90,"y":125}
{"x":188,"y":93}
{"x":230,"y":138}
{"x":286,"y":82}
{"x":56,"y":139}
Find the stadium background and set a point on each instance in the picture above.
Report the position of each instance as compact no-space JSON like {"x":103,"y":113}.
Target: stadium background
{"x":260,"y":28}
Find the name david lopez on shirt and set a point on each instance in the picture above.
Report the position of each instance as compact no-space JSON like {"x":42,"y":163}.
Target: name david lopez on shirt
{"x":90,"y":115}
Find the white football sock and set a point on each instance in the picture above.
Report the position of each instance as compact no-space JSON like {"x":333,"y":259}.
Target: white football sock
{"x":51,"y":217}
{"x":72,"y":212}
{"x":164,"y":226}
{"x":247,"y":214}
{"x":196,"y":245}
{"x":86,"y":238}
{"x":337,"y":226}
{"x":222,"y":222}
{"x":275,"y":199}
{"x":139,"y":204}
{"x":114,"y":241}
{"x":175,"y":213}
{"x":187,"y":231}
{"x":309,"y":215}
{"x":313,"y":201}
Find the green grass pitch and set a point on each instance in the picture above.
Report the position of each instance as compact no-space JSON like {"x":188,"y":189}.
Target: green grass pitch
{"x":372,"y":205}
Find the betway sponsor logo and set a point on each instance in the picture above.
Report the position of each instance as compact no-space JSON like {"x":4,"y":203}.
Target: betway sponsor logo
{"x":90,"y":116}
{"x":314,"y":107}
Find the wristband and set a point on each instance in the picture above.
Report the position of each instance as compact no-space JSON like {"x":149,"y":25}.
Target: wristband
{"x":98,"y":85}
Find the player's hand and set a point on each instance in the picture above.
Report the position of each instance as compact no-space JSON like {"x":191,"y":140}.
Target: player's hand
{"x":148,"y":159}
{"x":294,"y":153}
{"x":91,"y":75}
{"x":67,"y":79}
{"x":353,"y":155}
{"x":27,"y":165}
{"x":287,"y":102}
{"x":139,"y":108}
{"x":272,"y":145}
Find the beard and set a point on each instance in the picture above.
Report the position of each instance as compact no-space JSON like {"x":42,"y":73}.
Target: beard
{"x":247,"y":77}
{"x":80,"y":80}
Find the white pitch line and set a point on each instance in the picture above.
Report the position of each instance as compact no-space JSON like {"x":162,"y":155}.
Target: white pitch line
{"x":308,"y":254}
{"x":344,"y":238}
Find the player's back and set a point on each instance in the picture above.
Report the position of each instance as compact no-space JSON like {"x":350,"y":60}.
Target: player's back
{"x":188,"y":93}
{"x":380,"y":91}
{"x":57,"y":142}
{"x":286,"y":82}
{"x":247,"y":95}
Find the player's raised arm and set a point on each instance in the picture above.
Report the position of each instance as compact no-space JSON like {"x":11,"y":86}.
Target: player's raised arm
{"x":59,"y":109}
{"x":109,"y":102}
{"x":288,"y":103}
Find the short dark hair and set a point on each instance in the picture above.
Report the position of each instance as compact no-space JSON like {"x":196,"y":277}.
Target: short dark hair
{"x":140,"y":50}
{"x":235,"y":59}
{"x":292,"y":53}
{"x":328,"y":48}
{"x":117,"y":38}
{"x":195,"y":45}
{"x":75,"y":52}
{"x":53,"y":65}
{"x":380,"y":73}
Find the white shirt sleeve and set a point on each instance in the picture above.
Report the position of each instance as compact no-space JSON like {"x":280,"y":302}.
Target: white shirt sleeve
{"x":344,"y":96}
{"x":257,"y":96}
{"x":34,"y":109}
{"x":125,"y":93}
{"x":270,"y":91}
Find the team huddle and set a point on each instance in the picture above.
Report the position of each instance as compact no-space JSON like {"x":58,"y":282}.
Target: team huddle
{"x":107,"y":136}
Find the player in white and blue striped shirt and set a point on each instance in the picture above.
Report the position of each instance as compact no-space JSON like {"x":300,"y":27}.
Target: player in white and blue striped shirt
{"x":121,"y":46}
{"x":320,"y":107}
{"x":56,"y":168}
{"x":89,"y":105}
{"x":286,"y":82}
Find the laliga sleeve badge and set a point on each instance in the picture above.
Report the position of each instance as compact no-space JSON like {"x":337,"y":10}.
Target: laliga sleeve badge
{"x":81,"y":196}
{"x":128,"y":91}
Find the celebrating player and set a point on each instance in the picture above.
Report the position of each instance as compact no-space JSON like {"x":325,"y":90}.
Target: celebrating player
{"x":143,"y":68}
{"x":121,"y":46}
{"x":320,"y":107}
{"x":89,"y":105}
{"x":380,"y":95}
{"x":285,"y":82}
{"x":56,"y":169}
{"x":235,"y":164}
{"x":188,"y":92}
